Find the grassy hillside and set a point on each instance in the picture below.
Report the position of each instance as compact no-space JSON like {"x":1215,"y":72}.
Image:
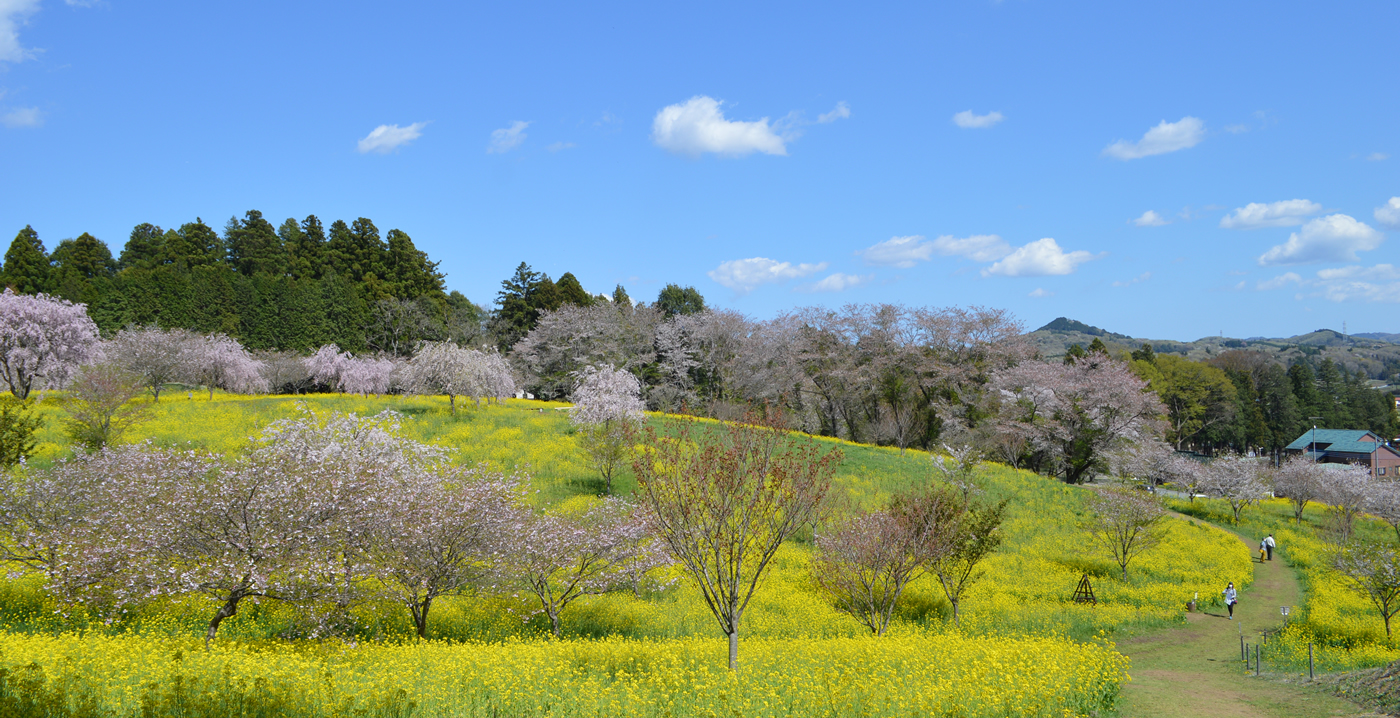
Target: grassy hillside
{"x":1018,"y":614}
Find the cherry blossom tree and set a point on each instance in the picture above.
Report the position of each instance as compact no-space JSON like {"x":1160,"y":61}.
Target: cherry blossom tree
{"x":607,"y":410}
{"x":570,"y":338}
{"x":443,"y":533}
{"x":725,"y":497}
{"x":1078,"y":413}
{"x":560,"y":558}
{"x":1300,"y":480}
{"x":88,"y":522}
{"x":350,"y":374}
{"x":288,"y":521}
{"x":326,"y":365}
{"x":218,"y":360}
{"x":158,"y":356}
{"x":958,"y":469}
{"x":1239,"y":481}
{"x":43,"y":339}
{"x":1125,"y":524}
{"x":1385,"y":504}
{"x":865,"y":562}
{"x":285,"y":371}
{"x":1348,"y":490}
{"x":445,"y":368}
{"x":1372,"y":569}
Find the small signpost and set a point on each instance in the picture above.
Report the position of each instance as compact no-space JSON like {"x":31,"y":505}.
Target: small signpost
{"x":1084,"y":592}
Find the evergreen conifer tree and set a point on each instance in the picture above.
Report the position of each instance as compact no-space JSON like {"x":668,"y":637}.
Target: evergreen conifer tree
{"x":26,"y":264}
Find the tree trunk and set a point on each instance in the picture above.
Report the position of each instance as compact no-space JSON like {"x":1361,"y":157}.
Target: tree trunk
{"x":211,"y":392}
{"x":228,"y":610}
{"x":155,"y":389}
{"x":554,"y":621}
{"x":452,"y":401}
{"x":956,"y":624}
{"x":734,"y":649}
{"x":419,"y":609}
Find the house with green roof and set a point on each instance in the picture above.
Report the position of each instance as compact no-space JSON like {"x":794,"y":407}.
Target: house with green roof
{"x":1347,"y":446}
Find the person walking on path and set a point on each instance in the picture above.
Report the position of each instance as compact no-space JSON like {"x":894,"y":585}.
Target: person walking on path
{"x":1263,"y":550}
{"x":1230,"y":598}
{"x":1269,"y":546}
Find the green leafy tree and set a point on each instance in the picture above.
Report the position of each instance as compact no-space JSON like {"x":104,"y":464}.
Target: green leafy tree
{"x":101,"y":405}
{"x":26,"y":264}
{"x":620,"y":298}
{"x":1197,"y":396}
{"x":83,"y":268}
{"x":307,"y":256}
{"x":409,"y":271}
{"x":675,"y":299}
{"x":572,"y":292}
{"x":976,"y":537}
{"x":145,"y":248}
{"x":253,"y":245}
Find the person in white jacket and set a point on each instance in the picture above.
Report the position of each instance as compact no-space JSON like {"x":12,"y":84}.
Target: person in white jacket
{"x":1269,"y":546}
{"x":1230,"y":598}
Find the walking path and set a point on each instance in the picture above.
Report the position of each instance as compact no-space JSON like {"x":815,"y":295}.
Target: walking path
{"x":1196,"y":671}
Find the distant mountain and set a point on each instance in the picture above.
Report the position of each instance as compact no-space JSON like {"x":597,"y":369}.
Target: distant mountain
{"x":1065,"y":324}
{"x":1376,"y":354}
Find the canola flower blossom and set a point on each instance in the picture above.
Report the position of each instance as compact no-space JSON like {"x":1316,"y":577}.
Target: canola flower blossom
{"x":914,"y":675}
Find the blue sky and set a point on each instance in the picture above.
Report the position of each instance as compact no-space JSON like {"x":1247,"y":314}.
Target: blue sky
{"x":1169,"y":170}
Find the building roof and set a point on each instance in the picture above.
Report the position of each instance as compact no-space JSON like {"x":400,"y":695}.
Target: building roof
{"x":1334,"y":436}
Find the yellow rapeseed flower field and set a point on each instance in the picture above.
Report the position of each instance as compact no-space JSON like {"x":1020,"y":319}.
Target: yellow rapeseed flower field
{"x":1023,"y":649}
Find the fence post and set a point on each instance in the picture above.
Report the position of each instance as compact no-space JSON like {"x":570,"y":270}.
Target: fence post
{"x":1310,"y":661}
{"x":1256,"y":659}
{"x":1244,"y":655}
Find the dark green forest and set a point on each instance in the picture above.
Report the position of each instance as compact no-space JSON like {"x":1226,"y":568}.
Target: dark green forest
{"x":295,"y":286}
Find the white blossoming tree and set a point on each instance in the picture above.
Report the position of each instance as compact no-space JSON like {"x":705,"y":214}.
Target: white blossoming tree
{"x":607,"y":407}
{"x":43,"y":339}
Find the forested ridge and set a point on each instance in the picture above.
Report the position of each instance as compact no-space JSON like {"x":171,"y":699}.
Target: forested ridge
{"x":295,"y":286}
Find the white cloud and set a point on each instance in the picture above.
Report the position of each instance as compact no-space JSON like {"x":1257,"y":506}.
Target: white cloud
{"x":840,"y":282}
{"x":557,"y":146}
{"x":1287,"y":213}
{"x":698,"y":126}
{"x":1038,"y":293}
{"x":1379,"y":283}
{"x":1139,"y":279}
{"x":840,"y":112}
{"x":1165,"y":137}
{"x":1150,"y":219}
{"x":901,"y":252}
{"x":1389,"y":214}
{"x":978,"y":247}
{"x":23,"y":117}
{"x":967,"y":120}
{"x":1040,"y":258}
{"x":1236,"y":129}
{"x":13,"y":14}
{"x":1377,"y":156}
{"x":1279,"y":282}
{"x":507,"y":138}
{"x":1334,"y":238}
{"x":387,"y":138}
{"x":743,"y":275}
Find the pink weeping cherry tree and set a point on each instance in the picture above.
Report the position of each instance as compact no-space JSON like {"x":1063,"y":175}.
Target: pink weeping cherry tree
{"x":350,"y":374}
{"x":607,"y":410}
{"x":218,"y":360}
{"x":43,"y":340}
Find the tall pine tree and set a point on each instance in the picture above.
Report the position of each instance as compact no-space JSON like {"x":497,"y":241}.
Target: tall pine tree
{"x":26,"y":264}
